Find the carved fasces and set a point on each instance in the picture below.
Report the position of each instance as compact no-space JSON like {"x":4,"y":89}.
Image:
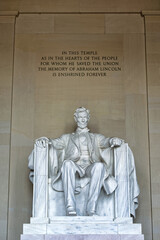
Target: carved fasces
{"x":40,"y":183}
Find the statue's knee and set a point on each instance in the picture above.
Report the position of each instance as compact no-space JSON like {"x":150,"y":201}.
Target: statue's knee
{"x":67,"y":164}
{"x":99,"y":166}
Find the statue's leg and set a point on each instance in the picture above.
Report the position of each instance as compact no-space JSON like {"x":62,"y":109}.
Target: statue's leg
{"x":96,"y":172}
{"x":68,"y":178}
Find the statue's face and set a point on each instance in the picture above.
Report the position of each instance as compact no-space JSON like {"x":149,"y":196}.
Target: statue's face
{"x":82,"y":119}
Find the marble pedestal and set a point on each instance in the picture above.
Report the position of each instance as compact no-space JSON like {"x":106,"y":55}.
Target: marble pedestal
{"x":79,"y":228}
{"x":84,"y":237}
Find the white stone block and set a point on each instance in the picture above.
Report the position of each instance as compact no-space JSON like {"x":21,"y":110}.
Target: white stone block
{"x":84,"y":228}
{"x":33,"y":237}
{"x":123,"y":220}
{"x":81,"y":219}
{"x":84,"y":236}
{"x":34,"y":228}
{"x":129,"y":229}
{"x":39,"y":220}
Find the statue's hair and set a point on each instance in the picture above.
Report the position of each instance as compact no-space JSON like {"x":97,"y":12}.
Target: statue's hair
{"x":81,"y":109}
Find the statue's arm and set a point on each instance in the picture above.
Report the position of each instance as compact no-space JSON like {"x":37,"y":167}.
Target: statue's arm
{"x":58,"y":143}
{"x":53,"y":146}
{"x":109,"y":142}
{"x":103,"y":142}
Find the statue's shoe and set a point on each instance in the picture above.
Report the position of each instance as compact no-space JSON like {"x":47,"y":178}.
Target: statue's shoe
{"x":92,"y":213}
{"x":71,"y":211}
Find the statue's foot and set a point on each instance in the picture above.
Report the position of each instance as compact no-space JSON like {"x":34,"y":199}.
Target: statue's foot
{"x":71,"y":211}
{"x":92,"y":213}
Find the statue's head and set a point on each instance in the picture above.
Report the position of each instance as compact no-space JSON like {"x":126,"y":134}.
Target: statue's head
{"x":82,"y":117}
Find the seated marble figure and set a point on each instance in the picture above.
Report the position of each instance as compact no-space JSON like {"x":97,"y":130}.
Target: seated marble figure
{"x":83,"y":154}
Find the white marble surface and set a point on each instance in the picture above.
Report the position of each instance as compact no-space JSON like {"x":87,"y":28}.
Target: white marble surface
{"x":123,"y":220}
{"x":33,"y":237}
{"x":129,"y":228}
{"x":39,"y":220}
{"x":106,"y":200}
{"x":34,"y":228}
{"x":108,"y":161}
{"x":83,"y":237}
{"x":40,"y":183}
{"x":82,"y":219}
{"x":131,"y":237}
{"x":48,"y":202}
{"x":85,"y":225}
{"x":105,"y":206}
{"x":122,"y":195}
{"x":64,"y":228}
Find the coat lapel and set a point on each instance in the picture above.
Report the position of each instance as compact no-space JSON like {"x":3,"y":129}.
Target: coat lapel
{"x":90,"y":140}
{"x":75,"y":140}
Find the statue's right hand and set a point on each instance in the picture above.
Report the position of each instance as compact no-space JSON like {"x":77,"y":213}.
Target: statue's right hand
{"x":42,"y":142}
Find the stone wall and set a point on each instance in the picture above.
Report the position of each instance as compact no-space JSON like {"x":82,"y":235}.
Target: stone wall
{"x":152,"y":23}
{"x":79,"y":6}
{"x":35,"y":102}
{"x":6,"y":71}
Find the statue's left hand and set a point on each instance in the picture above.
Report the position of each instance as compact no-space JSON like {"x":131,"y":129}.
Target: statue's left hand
{"x":116,"y":142}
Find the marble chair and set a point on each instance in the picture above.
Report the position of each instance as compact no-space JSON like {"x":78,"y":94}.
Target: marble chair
{"x":48,"y":203}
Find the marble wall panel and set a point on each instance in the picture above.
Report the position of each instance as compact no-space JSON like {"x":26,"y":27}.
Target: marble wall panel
{"x":79,"y":5}
{"x":35,"y":23}
{"x":77,"y":23}
{"x":6,"y":49}
{"x":136,"y":120}
{"x":22,"y":142}
{"x":40,"y":6}
{"x":153,"y":72}
{"x":124,"y":23}
{"x":117,"y":6}
{"x":131,"y":27}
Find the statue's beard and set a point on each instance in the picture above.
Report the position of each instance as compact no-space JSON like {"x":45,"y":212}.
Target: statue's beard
{"x":82,"y":125}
